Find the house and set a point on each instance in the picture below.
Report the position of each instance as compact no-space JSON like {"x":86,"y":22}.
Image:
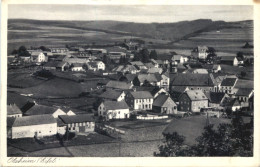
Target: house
{"x":150,"y":65}
{"x":216,"y":99}
{"x":176,"y":91}
{"x":139,"y":100}
{"x":227,"y":85}
{"x":128,"y":78}
{"x":243,"y":95}
{"x":126,"y":69}
{"x":164,"y":60}
{"x":25,"y":58}
{"x":43,"y":110}
{"x":78,"y":123}
{"x":179,"y":59}
{"x":114,"y":110}
{"x":193,"y":101}
{"x":216,"y":68}
{"x":231,"y":103}
{"x":200,"y":52}
{"x":194,"y":81}
{"x":56,"y":65}
{"x":113,"y":95}
{"x":115,"y":53}
{"x":164,"y":104}
{"x":132,"y":46}
{"x":138,"y":64}
{"x":59,"y":50}
{"x":34,"y":126}
{"x":77,"y":67}
{"x":13,"y":111}
{"x":96,"y":65}
{"x":119,"y":85}
{"x":39,"y":57}
{"x":153,"y":79}
{"x":229,"y":60}
{"x":165,"y":81}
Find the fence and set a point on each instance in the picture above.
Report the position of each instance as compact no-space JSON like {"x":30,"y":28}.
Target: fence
{"x":109,"y":130}
{"x":151,"y":117}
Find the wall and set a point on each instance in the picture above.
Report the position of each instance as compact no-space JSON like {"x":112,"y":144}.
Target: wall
{"x":118,"y":114}
{"x":197,"y":105}
{"x":143,"y":104}
{"x":184,"y":103}
{"x":29,"y":131}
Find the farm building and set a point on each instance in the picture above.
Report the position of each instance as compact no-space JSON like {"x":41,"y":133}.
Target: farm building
{"x":164,"y":104}
{"x":193,"y":101}
{"x":114,"y":110}
{"x":56,"y":65}
{"x":34,"y":126}
{"x":119,"y":85}
{"x":227,"y":85}
{"x":229,"y":60}
{"x":139,"y":100}
{"x":77,"y":67}
{"x":59,"y":50}
{"x":78,"y":123}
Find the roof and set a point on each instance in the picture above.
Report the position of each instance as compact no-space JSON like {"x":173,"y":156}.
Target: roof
{"x":124,"y":68}
{"x":215,"y":97}
{"x":68,"y":119}
{"x":34,"y":120}
{"x":118,"y":85}
{"x":177,"y":57}
{"x":188,"y":79}
{"x":78,"y":64}
{"x":179,"y":89}
{"x":138,"y":63}
{"x":10,"y":121}
{"x":161,"y":99}
{"x":36,"y":53}
{"x":244,"y":92}
{"x":111,"y":94}
{"x":149,"y":65}
{"x":19,"y":100}
{"x":154,"y":70}
{"x":12,"y":109}
{"x":130,"y":77}
{"x":116,"y":49}
{"x":229,"y":82}
{"x":227,"y":58}
{"x":41,"y":110}
{"x":115,"y":105}
{"x":197,"y":71}
{"x":141,"y":94}
{"x":230,"y":102}
{"x":196,"y":95}
{"x":152,"y":89}
{"x":149,"y":77}
{"x":165,"y":57}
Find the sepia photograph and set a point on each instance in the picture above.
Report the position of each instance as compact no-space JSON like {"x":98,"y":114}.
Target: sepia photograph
{"x":86,"y":80}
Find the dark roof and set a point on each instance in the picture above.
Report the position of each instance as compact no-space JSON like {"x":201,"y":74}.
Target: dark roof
{"x":78,"y":64}
{"x":229,"y":82}
{"x":188,"y":79}
{"x":115,"y":105}
{"x":41,"y":110}
{"x":149,"y":77}
{"x":244,"y":91}
{"x":165,"y":57}
{"x":141,"y":94}
{"x":130,"y":77}
{"x":118,"y":85}
{"x":34,"y":120}
{"x":12,"y":109}
{"x":161,"y":99}
{"x":68,"y":119}
{"x":215,"y":97}
{"x":230,"y":102}
{"x":152,"y":89}
{"x":179,"y":89}
{"x":111,"y":94}
{"x":60,"y":122}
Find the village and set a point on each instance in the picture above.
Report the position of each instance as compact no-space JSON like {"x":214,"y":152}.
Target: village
{"x":120,"y":87}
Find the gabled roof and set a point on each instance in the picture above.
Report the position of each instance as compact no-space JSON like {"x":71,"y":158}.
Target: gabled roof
{"x":229,"y":82}
{"x":124,"y":68}
{"x":41,"y":110}
{"x":34,"y":120}
{"x":165,"y":57}
{"x":68,"y":119}
{"x":78,"y":64}
{"x":244,"y":92}
{"x":154,"y":70}
{"x":152,"y":89}
{"x":111,"y":94}
{"x":177,"y":57}
{"x":161,"y":99}
{"x":149,"y":65}
{"x":196,"y":71}
{"x":118,"y":85}
{"x":196,"y":95}
{"x":137,"y":63}
{"x":141,"y":94}
{"x":130,"y":77}
{"x":179,"y":89}
{"x":115,"y":105}
{"x":215,"y":97}
{"x":230,"y":102}
{"x":188,"y":79}
{"x":12,"y":109}
{"x":19,"y":100}
{"x":149,"y":77}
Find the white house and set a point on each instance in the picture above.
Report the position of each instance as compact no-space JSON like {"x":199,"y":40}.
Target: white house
{"x":39,"y":57}
{"x":100,"y":65}
{"x":227,"y":85}
{"x":34,"y":126}
{"x":139,"y":100}
{"x":230,"y":60}
{"x":114,"y":110}
{"x":200,"y":52}
{"x":77,"y":67}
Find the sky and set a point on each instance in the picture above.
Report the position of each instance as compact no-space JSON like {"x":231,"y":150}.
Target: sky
{"x":131,"y":13}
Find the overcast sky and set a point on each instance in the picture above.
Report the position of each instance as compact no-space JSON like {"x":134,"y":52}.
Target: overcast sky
{"x":137,"y":13}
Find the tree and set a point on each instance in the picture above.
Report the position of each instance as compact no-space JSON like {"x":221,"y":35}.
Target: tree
{"x":137,"y":56}
{"x":43,"y":48}
{"x":14,"y":52}
{"x":22,"y":51}
{"x":243,"y":73}
{"x":145,"y":55}
{"x":211,"y":57}
{"x":240,"y":55}
{"x":172,"y":146}
{"x":153,"y":55}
